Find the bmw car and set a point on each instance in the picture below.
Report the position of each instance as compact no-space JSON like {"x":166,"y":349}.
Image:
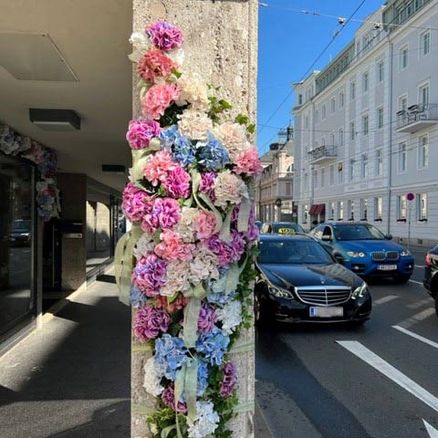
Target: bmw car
{"x":365,"y":250}
{"x":299,"y":281}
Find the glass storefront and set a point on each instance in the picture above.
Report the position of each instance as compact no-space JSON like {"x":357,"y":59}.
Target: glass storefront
{"x":17,"y":303}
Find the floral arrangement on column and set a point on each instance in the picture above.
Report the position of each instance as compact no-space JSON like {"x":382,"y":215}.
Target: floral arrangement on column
{"x":47,"y":194}
{"x":193,"y":235}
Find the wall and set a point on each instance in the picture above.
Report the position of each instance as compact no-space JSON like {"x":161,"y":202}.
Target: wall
{"x":221,"y":45}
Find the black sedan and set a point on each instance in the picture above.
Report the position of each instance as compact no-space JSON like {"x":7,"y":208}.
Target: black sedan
{"x":299,"y":281}
{"x":431,"y":275}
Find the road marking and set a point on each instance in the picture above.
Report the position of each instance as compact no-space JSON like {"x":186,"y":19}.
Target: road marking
{"x":418,"y":317}
{"x":433,"y":433}
{"x":416,"y":282}
{"x":419,"y":304}
{"x":414,"y":335}
{"x":384,"y":300}
{"x":389,"y":371}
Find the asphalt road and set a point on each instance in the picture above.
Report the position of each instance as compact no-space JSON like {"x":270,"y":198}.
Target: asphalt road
{"x":340,"y":381}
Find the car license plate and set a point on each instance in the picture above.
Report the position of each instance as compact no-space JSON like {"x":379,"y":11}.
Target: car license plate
{"x":387,"y":267}
{"x":326,"y":312}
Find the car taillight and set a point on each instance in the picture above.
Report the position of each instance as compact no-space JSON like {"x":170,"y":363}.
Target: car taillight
{"x":428,"y":260}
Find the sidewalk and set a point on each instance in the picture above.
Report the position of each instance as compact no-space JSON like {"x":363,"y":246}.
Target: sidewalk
{"x":71,"y":379}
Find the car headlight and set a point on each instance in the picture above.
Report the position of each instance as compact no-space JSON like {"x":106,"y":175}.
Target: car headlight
{"x":360,"y":291}
{"x":356,"y":254}
{"x":405,"y":253}
{"x":279,"y":292}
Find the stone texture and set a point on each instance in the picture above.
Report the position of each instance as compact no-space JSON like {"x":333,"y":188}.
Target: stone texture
{"x":221,"y":45}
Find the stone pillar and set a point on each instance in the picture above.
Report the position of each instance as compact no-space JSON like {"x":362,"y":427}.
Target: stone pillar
{"x":220,"y":43}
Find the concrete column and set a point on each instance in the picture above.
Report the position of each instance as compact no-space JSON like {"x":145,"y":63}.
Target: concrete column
{"x":221,"y":45}
{"x":73,"y":189}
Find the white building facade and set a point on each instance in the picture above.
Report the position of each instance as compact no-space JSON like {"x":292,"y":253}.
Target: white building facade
{"x":366,"y":125}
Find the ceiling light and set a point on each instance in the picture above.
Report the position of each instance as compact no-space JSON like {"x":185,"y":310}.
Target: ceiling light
{"x":55,"y":119}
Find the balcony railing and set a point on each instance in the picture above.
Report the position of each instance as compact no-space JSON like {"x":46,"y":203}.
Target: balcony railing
{"x":417,"y":117}
{"x":323,"y":154}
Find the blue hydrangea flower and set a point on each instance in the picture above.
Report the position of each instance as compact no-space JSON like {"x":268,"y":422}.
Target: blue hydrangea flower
{"x":213,"y":155}
{"x":170,"y":355}
{"x":202,"y":378}
{"x":167,"y":136}
{"x":136,"y":297}
{"x":181,"y":147}
{"x":213,"y":345}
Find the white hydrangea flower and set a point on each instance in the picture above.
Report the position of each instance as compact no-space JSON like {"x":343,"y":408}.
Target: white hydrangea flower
{"x":195,"y":124}
{"x":203,"y":266}
{"x":233,"y":136}
{"x":144,"y":246}
{"x":177,"y":56}
{"x":206,"y":421}
{"x":152,"y":378}
{"x":229,"y":187}
{"x":177,"y":273}
{"x":193,"y":91}
{"x":230,"y":315}
{"x":185,"y":226}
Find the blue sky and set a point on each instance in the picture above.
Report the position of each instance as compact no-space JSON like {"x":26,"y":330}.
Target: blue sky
{"x":289,"y":42}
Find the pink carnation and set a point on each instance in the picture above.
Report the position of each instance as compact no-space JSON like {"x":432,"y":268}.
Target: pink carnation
{"x":172,"y":247}
{"x":164,"y":35}
{"x":205,"y":224}
{"x":134,"y":202}
{"x":141,"y":132}
{"x":157,"y":99}
{"x":158,"y":167}
{"x":149,"y":322}
{"x":177,"y":183}
{"x":149,"y":275}
{"x":248,"y":162}
{"x":155,"y":64}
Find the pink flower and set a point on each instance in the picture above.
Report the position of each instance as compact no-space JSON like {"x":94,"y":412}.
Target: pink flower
{"x":172,"y":247}
{"x":141,"y":132}
{"x":157,"y":99}
{"x":134,"y":202}
{"x":155,"y":64}
{"x":164,"y":35}
{"x":162,"y":212}
{"x":179,"y":303}
{"x":149,"y":275}
{"x":149,"y":322}
{"x":168,"y":398}
{"x":205,"y":224}
{"x":207,"y":318}
{"x":248,"y":162}
{"x":158,"y":167}
{"x":177,"y":183}
{"x":207,"y":184}
{"x":227,"y":253}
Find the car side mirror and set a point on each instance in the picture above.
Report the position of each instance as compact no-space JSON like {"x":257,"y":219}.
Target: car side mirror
{"x":326,"y":238}
{"x":388,"y":237}
{"x":339,"y":258}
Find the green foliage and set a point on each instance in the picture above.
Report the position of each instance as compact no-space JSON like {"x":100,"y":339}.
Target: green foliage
{"x":217,"y":107}
{"x":170,"y":116}
{"x":243,"y":119}
{"x":165,"y":419}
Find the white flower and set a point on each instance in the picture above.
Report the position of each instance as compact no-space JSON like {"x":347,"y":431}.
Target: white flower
{"x":203,"y":266}
{"x":185,"y":226}
{"x":144,"y":246}
{"x":193,"y":91}
{"x":230,"y":315}
{"x":229,"y":187}
{"x":152,"y":378}
{"x":233,"y":136}
{"x":176,"y":278}
{"x":195,"y":124}
{"x":176,"y":55}
{"x":206,"y":420}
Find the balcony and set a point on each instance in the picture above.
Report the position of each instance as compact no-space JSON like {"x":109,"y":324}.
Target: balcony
{"x":323,"y":154}
{"x":417,"y":117}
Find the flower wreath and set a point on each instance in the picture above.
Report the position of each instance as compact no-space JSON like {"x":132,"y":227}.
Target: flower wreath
{"x":188,"y":259}
{"x":47,"y":193}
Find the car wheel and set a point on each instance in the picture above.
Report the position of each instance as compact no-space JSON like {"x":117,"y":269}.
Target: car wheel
{"x":259,"y":315}
{"x":402,"y":279}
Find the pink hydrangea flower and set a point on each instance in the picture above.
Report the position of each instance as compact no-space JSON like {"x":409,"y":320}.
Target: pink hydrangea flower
{"x":207,"y":184}
{"x":168,"y":398}
{"x":179,"y":303}
{"x":140,"y":133}
{"x":162,"y":212}
{"x":227,"y":253}
{"x":172,"y":247}
{"x":229,"y":380}
{"x":248,"y":162}
{"x":158,"y":167}
{"x":149,"y":275}
{"x":207,"y":318}
{"x":149,"y":322}
{"x":165,"y":36}
{"x":134,"y":202}
{"x":205,"y":224}
{"x":155,"y":64}
{"x":157,"y":99}
{"x":177,"y":183}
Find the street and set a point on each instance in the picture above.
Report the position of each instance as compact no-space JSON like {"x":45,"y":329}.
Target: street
{"x":379,"y":380}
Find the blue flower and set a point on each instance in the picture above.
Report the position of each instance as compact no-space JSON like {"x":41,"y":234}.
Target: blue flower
{"x":136,"y":297}
{"x":213,"y":155}
{"x":167,"y":136}
{"x":202,"y":378}
{"x":213,"y":345}
{"x":170,"y":355}
{"x":182,"y":148}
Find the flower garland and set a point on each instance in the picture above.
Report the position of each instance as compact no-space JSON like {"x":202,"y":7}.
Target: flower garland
{"x":14,"y":144}
{"x":192,"y":241}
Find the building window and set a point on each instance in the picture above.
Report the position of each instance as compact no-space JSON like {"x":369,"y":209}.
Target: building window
{"x":341,"y":99}
{"x":379,"y":162}
{"x":425,"y":43}
{"x":364,"y":209}
{"x":364,"y":172}
{"x":423,"y":151}
{"x":305,"y":213}
{"x":402,"y":157}
{"x":403,"y":103}
{"x":333,"y":105}
{"x":402,"y":207}
{"x":323,"y":112}
{"x":423,"y":95}
{"x":365,"y":124}
{"x":332,"y":211}
{"x":352,"y":131}
{"x":352,"y":90}
{"x":350,"y":207}
{"x":332,"y":174}
{"x":380,"y":117}
{"x":351,"y":171}
{"x":365,"y":82}
{"x":322,"y":177}
{"x":340,"y":172}
{"x":332,"y":139}
{"x":380,"y":71}
{"x":341,"y":137}
{"x":422,"y":207}
{"x":378,"y":208}
{"x":315,"y":176}
{"x":306,"y":181}
{"x":316,"y":116}
{"x":341,"y":210}
{"x":300,"y":99}
{"x":403,"y":57}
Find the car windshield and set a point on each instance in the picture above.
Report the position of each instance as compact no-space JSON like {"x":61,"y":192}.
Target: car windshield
{"x":287,"y":228}
{"x":21,"y":225}
{"x":357,"y":232}
{"x":292,"y":252}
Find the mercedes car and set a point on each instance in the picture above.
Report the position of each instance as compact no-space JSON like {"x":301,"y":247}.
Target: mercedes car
{"x":299,"y":281}
{"x":430,"y":281}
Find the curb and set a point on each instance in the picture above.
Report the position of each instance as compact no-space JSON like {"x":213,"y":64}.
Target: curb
{"x":261,"y":426}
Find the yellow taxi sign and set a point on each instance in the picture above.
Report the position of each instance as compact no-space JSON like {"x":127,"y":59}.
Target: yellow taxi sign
{"x":289,"y":231}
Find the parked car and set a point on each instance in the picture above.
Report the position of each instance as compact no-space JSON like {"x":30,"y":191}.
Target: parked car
{"x":20,"y":234}
{"x":430,"y":281}
{"x":287,"y":228}
{"x":259,"y":224}
{"x":299,"y":281}
{"x":365,"y":250}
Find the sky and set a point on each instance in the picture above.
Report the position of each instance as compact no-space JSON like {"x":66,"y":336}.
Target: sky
{"x":289,"y":43}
